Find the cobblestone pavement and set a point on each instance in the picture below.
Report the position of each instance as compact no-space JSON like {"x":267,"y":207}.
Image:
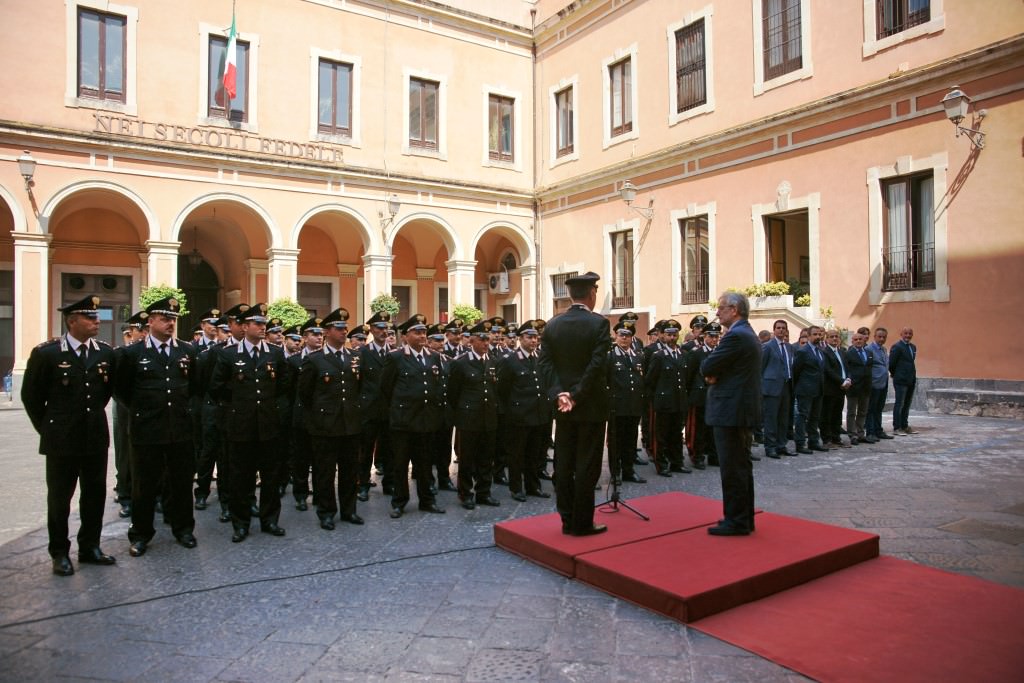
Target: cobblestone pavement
{"x":429,"y":597}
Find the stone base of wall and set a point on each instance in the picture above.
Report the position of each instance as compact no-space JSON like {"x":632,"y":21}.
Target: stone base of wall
{"x":980,"y":397}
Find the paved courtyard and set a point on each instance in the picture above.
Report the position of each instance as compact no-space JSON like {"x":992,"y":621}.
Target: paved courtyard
{"x":429,"y":597}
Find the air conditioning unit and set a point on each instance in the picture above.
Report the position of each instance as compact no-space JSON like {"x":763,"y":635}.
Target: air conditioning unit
{"x":497,"y":283}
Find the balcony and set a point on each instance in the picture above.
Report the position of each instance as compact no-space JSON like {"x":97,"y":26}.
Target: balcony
{"x":694,"y":287}
{"x":907,"y":268}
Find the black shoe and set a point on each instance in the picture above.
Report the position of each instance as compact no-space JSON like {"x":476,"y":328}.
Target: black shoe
{"x":446,"y":484}
{"x":592,"y":531}
{"x":363,"y":493}
{"x":519,"y":496}
{"x":187,"y":540}
{"x":352,"y":519}
{"x":820,"y":448}
{"x":239,"y":535}
{"x":489,"y":501}
{"x":327,"y":523}
{"x":728,"y":530}
{"x":468,"y":504}
{"x":635,"y":478}
{"x":432,"y":507}
{"x":125,"y":511}
{"x":770,"y":454}
{"x":301,"y":505}
{"x":137,"y":549}
{"x":854,"y":440}
{"x":803,"y":450}
{"x":62,"y":566}
{"x":682,"y":469}
{"x":201,"y":503}
{"x":538,"y":494}
{"x":272,"y":529}
{"x":787,"y":452}
{"x":396,"y":512}
{"x":664,"y":473}
{"x":545,"y":475}
{"x":225,"y":515}
{"x":884,"y":435}
{"x":95,"y":556}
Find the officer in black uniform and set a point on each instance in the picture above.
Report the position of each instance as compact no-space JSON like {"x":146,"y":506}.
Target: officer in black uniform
{"x":412,"y":390}
{"x":523,"y":389}
{"x":665,"y":384}
{"x":441,"y":440}
{"x":328,"y":388}
{"x":700,"y":439}
{"x":67,"y":384}
{"x":248,"y":378}
{"x":137,"y":329}
{"x":697,"y":324}
{"x":376,"y":438}
{"x":156,"y":379}
{"x":297,"y":446}
{"x":626,"y":382}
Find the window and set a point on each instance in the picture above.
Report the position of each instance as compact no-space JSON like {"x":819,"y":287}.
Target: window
{"x":102,"y":55}
{"x":423,"y":113}
{"x":691,"y":76}
{"x":693,"y":233}
{"x":218,"y":106}
{"x":908,"y":252}
{"x":896,"y":16}
{"x":500,"y":129}
{"x":621,"y":104}
{"x":622,"y":269}
{"x":781,"y":46}
{"x":559,"y":292}
{"x":335,"y":98}
{"x":563,"y":122}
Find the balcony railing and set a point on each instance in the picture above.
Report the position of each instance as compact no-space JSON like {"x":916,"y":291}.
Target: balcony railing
{"x":695,"y":287}
{"x":909,"y":267}
{"x":622,"y":294}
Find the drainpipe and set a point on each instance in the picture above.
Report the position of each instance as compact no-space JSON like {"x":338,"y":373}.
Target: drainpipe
{"x":538,"y":285}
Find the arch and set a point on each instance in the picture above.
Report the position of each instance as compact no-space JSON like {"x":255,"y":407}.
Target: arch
{"x":20,"y":221}
{"x":365,"y":231}
{"x":519,"y":238}
{"x":441,"y":226}
{"x":272,"y":233}
{"x":54,"y":202}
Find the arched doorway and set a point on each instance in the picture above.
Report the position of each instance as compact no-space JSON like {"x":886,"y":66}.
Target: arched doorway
{"x":202,"y":290}
{"x":419,"y":276}
{"x":501,"y":288}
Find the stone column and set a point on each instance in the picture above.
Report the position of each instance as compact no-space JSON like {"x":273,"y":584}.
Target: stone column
{"x":376,"y":278}
{"x":460,"y":282}
{"x":32,"y":308}
{"x":162,"y":263}
{"x":283,"y":274}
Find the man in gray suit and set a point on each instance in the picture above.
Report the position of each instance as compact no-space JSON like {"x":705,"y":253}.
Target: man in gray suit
{"x":777,"y":390}
{"x":573,"y":355}
{"x":733,"y":373}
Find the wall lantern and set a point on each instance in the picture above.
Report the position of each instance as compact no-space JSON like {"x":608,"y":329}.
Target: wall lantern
{"x":27,"y":168}
{"x":628,"y":194}
{"x":956,"y":103}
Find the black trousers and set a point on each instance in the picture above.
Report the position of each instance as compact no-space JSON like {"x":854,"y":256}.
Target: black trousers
{"x":831,"y":416}
{"x":162,"y":470}
{"x":527,"y":451}
{"x":63,"y":473}
{"x":476,"y":463}
{"x":777,"y":419}
{"x":622,"y":432}
{"x":335,"y":460}
{"x":808,"y":417}
{"x":668,"y":439}
{"x":301,"y":452}
{"x":409,"y":447}
{"x":578,"y":448}
{"x":122,"y":453}
{"x":737,"y":472}
{"x":377,"y":447}
{"x":213,"y":454}
{"x":248,"y":458}
{"x":441,"y":452}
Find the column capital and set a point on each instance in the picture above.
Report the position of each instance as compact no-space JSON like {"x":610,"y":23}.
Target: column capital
{"x":162,"y":248}
{"x":348,"y":269}
{"x":31,"y":239}
{"x":283,"y":254}
{"x":425,"y":273}
{"x":378,"y":260}
{"x":461,"y":266}
{"x":527,"y":271}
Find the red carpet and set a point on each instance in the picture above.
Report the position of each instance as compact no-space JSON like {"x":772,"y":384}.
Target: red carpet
{"x":885,"y":620}
{"x":689,"y":575}
{"x":540,"y":539}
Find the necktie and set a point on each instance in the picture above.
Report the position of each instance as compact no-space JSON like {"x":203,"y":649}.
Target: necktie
{"x":785,"y":356}
{"x":255,"y":353}
{"x":83,"y":351}
{"x":163,"y":350}
{"x":422,"y":359}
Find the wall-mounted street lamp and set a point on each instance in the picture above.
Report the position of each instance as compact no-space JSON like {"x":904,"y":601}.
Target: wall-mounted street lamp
{"x":194,"y":257}
{"x":628,"y":194}
{"x":956,"y":103}
{"x":393,"y":204}
{"x":27,"y":168}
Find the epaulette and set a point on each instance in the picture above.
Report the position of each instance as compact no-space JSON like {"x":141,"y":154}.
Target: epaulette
{"x":102,"y":343}
{"x":48,"y":342}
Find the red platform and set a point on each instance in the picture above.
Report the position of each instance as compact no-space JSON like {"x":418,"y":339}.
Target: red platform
{"x":540,"y":539}
{"x":689,"y":575}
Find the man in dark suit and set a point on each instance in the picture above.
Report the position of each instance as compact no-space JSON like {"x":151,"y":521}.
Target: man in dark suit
{"x":626,"y":383}
{"x":808,"y":385}
{"x":858,"y":363}
{"x":156,"y":380}
{"x":248,"y":378}
{"x":412,"y":389}
{"x":836,"y":383}
{"x":777,"y":390}
{"x":733,"y":371}
{"x":574,"y":354}
{"x":67,"y":384}
{"x":903,"y":368}
{"x":328,"y":389}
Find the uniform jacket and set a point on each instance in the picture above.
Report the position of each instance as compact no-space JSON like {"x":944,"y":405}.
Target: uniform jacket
{"x":157,"y":389}
{"x":903,"y":363}
{"x":473,"y":392}
{"x":65,"y":396}
{"x":809,"y":371}
{"x":328,"y":390}
{"x":774,"y":372}
{"x":626,"y":382}
{"x":859,"y":371}
{"x":666,"y":381}
{"x":523,"y":389}
{"x":734,"y":400}
{"x":574,"y":355}
{"x":413,"y":392}
{"x":371,"y":368}
{"x":696,"y":387}
{"x":249,"y":388}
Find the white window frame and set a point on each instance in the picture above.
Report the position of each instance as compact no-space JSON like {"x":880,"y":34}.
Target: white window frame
{"x":320,"y":279}
{"x":710,"y":209}
{"x":706,"y":13}
{"x":131,"y":15}
{"x":569,"y":82}
{"x":606,"y":92}
{"x":206,"y":31}
{"x":632,"y":226}
{"x":873,"y":45}
{"x":315,"y":55}
{"x":811,"y":203}
{"x":806,"y":71}
{"x":938,"y":164}
{"x":562,"y":269}
{"x":441,"y":152}
{"x":517,"y":128}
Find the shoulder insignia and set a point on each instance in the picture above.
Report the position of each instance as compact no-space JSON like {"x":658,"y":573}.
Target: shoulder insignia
{"x":103,"y":343}
{"x":48,"y":342}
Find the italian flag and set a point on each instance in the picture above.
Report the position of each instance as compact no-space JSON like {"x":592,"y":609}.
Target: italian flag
{"x":230,"y":70}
